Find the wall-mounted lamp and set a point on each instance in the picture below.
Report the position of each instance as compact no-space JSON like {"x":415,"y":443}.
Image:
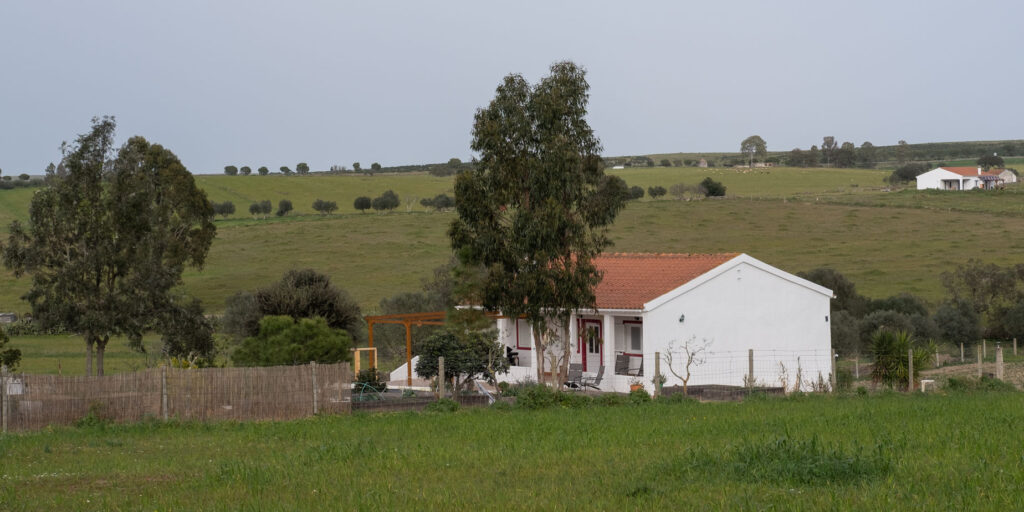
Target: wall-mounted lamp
{"x":681,"y":318}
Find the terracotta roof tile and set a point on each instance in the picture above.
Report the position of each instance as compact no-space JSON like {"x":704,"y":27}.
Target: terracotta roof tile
{"x":632,"y":279}
{"x":971,"y":171}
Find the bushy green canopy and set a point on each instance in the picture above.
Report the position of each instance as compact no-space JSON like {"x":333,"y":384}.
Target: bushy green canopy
{"x":284,"y":341}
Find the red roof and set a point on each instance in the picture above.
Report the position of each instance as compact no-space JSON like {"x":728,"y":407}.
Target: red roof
{"x":631,"y":280}
{"x":971,"y":171}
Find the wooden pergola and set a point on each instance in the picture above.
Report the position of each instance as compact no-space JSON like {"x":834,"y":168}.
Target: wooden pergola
{"x":408,"y":320}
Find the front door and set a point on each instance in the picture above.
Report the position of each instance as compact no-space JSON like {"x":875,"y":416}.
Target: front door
{"x":590,"y":344}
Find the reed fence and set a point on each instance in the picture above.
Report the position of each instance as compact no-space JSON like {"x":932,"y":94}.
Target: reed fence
{"x":29,"y":402}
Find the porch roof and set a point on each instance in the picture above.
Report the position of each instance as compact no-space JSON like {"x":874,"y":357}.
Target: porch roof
{"x":631,"y":280}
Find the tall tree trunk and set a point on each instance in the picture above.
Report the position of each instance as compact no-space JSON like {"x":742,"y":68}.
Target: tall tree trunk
{"x":88,"y":355}
{"x":101,"y":346}
{"x":563,"y":370}
{"x":538,"y":346}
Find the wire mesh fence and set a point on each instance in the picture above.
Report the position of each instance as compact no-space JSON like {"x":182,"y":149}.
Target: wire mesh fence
{"x":789,"y":370}
{"x":29,"y":402}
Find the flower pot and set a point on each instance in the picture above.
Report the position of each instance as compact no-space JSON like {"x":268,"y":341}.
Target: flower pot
{"x":636,"y":387}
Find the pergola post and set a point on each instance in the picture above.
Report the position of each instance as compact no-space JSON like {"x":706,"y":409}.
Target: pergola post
{"x":408,"y":353}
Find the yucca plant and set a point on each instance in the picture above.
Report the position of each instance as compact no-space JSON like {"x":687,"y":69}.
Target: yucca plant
{"x":890,"y":350}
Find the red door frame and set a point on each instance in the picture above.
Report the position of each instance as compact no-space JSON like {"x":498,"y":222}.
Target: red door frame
{"x":581,"y":330}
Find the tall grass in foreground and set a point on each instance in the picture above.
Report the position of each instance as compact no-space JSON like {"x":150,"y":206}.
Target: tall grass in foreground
{"x":884,"y":452}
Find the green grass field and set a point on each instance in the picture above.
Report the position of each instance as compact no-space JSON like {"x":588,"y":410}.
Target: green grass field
{"x":883,"y":452}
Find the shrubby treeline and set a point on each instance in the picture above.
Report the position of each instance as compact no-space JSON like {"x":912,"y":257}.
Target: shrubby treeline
{"x":983,"y":300}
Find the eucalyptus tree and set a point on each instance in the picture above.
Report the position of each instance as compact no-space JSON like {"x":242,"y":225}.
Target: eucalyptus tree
{"x":107,"y":242}
{"x":534,"y":212}
{"x":753,"y":146}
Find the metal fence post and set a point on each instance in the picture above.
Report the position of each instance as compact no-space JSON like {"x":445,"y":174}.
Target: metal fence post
{"x":999,"y":362}
{"x":4,"y":407}
{"x":163,"y":392}
{"x":657,"y":374}
{"x":750,"y":368}
{"x":910,"y":369}
{"x":312,"y":367}
{"x":832,"y":377}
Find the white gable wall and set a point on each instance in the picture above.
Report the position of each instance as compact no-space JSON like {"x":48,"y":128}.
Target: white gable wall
{"x":933,"y":179}
{"x":744,"y":307}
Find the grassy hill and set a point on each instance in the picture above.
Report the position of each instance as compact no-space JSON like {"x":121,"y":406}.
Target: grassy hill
{"x":797,"y":219}
{"x":793,"y":218}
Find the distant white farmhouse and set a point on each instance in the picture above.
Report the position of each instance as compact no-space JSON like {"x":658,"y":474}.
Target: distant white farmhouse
{"x":650,"y":303}
{"x":964,"y":178}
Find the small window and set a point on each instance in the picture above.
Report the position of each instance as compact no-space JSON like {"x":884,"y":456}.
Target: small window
{"x":636,"y":338}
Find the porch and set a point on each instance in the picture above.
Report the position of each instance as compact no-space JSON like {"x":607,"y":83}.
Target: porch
{"x":613,"y":341}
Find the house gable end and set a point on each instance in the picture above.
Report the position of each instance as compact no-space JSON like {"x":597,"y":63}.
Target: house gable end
{"x":726,"y":267}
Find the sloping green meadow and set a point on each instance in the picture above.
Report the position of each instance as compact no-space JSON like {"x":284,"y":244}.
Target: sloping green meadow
{"x":888,"y":242}
{"x":885,"y":452}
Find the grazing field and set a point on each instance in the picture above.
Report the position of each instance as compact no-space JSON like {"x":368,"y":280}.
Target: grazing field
{"x":886,"y":452}
{"x":886,"y":242}
{"x":65,"y":354}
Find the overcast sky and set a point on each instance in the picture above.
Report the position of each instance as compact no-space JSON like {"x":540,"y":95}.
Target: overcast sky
{"x":274,"y":83}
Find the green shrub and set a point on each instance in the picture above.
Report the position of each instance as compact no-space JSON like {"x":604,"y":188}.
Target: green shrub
{"x":640,"y":396}
{"x":371,"y":377}
{"x":862,"y":391}
{"x":443,"y":405}
{"x":536,"y":396}
{"x":283,"y":341}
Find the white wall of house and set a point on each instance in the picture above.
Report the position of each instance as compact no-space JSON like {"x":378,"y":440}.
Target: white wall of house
{"x":940,"y":179}
{"x":744,"y":307}
{"x":1008,"y":176}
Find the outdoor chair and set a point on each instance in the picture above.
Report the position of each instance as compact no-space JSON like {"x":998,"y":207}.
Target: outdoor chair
{"x":621,"y":364}
{"x":595,"y":381}
{"x":638,"y":371}
{"x":575,"y":376}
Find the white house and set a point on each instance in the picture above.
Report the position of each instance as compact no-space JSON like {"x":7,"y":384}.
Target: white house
{"x":651,"y":303}
{"x":963,"y":178}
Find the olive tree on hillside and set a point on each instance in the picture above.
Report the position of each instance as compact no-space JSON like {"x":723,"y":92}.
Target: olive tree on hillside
{"x":106,"y":243}
{"x":534,"y":212}
{"x":362,"y":203}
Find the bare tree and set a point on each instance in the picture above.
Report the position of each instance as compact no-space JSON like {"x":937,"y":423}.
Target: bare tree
{"x":694,"y":353}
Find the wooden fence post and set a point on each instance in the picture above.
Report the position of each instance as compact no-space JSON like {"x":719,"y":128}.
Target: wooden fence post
{"x":999,"y":362}
{"x":984,"y":349}
{"x":312,"y":368}
{"x":979,"y":361}
{"x":832,"y":377}
{"x":961,"y":352}
{"x":750,"y":368}
{"x":856,"y":367}
{"x":657,"y":374}
{"x":910,"y":369}
{"x":163,"y":392}
{"x":1015,"y":346}
{"x":4,"y":407}
{"x":440,"y":377}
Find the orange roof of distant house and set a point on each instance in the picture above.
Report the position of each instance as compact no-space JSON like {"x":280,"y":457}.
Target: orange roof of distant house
{"x":971,"y":171}
{"x":631,"y":280}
